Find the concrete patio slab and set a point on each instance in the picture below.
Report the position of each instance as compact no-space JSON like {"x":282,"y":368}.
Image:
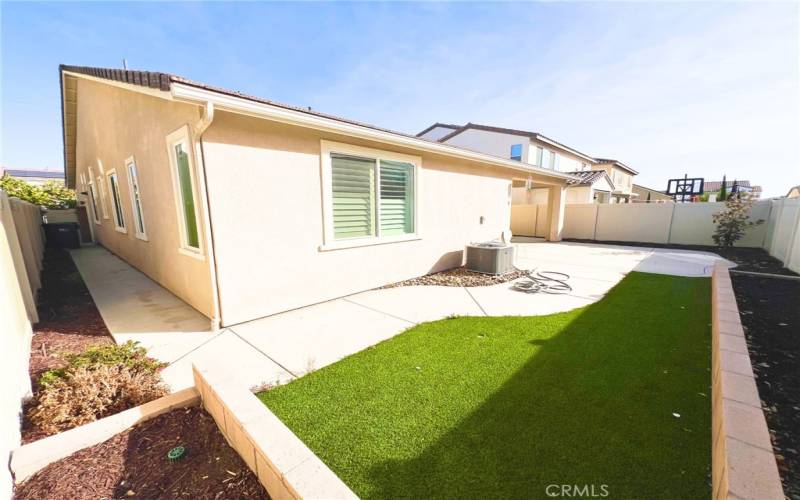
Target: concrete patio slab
{"x":238,"y":358}
{"x":309,"y":338}
{"x":287,"y":345}
{"x":418,"y":304}
{"x":132,"y":305}
{"x":501,"y":300}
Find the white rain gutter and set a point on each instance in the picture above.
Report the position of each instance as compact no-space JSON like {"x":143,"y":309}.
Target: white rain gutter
{"x":190,"y":93}
{"x":198,"y":130}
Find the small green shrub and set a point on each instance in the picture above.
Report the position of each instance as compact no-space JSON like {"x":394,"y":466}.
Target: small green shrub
{"x":129,"y":354}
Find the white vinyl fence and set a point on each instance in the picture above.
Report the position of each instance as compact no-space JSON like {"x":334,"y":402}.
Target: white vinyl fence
{"x":782,"y":239}
{"x":21,"y":250}
{"x":676,"y":223}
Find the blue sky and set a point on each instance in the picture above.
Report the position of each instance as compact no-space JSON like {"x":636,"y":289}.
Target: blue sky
{"x":668,"y":88}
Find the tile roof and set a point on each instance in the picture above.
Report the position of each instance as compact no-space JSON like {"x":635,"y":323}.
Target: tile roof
{"x":163,"y":81}
{"x":712,"y":186}
{"x":588,"y":177}
{"x":618,"y":163}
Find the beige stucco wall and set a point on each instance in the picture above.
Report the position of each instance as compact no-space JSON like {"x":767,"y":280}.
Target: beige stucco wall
{"x":266,"y":206}
{"x":113,"y":125}
{"x":21,"y":249}
{"x":693,"y":224}
{"x":622,"y":179}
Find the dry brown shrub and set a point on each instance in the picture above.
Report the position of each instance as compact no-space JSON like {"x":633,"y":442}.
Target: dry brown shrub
{"x":91,"y":392}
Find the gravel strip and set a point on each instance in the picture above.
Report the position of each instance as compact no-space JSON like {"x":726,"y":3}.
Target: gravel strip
{"x":459,"y":277}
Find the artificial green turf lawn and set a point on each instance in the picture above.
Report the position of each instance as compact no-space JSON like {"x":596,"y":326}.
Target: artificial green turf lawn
{"x":502,"y":407}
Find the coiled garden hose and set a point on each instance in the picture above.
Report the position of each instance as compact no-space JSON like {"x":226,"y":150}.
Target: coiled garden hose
{"x":550,"y":282}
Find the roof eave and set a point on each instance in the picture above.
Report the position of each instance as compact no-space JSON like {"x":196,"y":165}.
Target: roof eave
{"x":227,"y":102}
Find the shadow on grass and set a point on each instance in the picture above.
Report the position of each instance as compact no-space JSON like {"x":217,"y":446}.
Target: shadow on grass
{"x":616,"y":394}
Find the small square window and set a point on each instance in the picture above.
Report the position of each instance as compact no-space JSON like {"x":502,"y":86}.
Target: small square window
{"x":516,"y":152}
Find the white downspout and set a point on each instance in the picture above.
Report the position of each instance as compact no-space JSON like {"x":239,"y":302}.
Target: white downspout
{"x":199,"y":128}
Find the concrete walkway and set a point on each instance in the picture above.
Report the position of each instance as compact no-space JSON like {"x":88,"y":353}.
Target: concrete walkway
{"x":277,"y":348}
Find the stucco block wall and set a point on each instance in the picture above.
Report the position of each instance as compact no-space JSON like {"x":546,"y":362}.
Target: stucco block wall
{"x":264,"y":181}
{"x":692,"y":224}
{"x":114,"y":124}
{"x":641,"y":222}
{"x":21,"y":249}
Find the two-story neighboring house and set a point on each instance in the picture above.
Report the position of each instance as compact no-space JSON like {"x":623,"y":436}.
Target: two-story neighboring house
{"x":622,"y":177}
{"x":536,"y":149}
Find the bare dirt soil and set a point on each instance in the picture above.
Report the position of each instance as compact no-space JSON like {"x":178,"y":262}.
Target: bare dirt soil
{"x":134,"y":464}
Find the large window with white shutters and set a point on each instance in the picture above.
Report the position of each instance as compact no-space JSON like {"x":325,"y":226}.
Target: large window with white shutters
{"x":369,"y":195}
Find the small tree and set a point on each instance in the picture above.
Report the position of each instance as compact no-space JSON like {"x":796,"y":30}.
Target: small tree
{"x":723,"y":191}
{"x":732,"y":221}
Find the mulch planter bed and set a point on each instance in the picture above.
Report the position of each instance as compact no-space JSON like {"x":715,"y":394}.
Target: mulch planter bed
{"x":770,"y":312}
{"x":68,"y":323}
{"x":459,"y":277}
{"x":134,"y":464}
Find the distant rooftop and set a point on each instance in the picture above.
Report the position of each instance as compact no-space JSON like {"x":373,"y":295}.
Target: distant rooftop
{"x":712,"y":186}
{"x":44,"y":174}
{"x":588,"y":177}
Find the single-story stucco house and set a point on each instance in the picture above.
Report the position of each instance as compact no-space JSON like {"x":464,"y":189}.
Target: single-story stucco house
{"x":244,"y":207}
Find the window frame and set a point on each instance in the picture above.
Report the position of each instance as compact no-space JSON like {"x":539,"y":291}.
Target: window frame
{"x":93,"y":201}
{"x":183,"y":137}
{"x":138,"y":215}
{"x":117,"y":202}
{"x":539,"y":160}
{"x":329,"y":241}
{"x":101,"y":191}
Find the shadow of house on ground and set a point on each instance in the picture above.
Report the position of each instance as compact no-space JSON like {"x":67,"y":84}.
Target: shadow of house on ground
{"x":615,"y":394}
{"x":134,"y":464}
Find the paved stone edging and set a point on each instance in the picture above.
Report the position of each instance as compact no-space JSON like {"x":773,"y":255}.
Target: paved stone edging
{"x":286,"y":467}
{"x":743,"y":462}
{"x":32,"y":457}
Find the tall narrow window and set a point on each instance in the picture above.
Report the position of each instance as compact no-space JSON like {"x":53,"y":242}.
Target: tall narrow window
{"x":185,"y":188}
{"x":397,"y":198}
{"x":353,"y":183}
{"x":516,"y":152}
{"x":552,"y":165}
{"x":113,"y":188}
{"x":102,"y":193}
{"x":539,"y":155}
{"x":136,"y":199}
{"x":93,"y":201}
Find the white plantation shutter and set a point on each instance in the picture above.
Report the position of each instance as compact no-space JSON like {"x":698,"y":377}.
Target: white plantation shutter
{"x":353,"y":181}
{"x":397,"y":198}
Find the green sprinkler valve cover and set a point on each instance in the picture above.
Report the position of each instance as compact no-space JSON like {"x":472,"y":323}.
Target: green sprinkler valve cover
{"x":176,"y":453}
